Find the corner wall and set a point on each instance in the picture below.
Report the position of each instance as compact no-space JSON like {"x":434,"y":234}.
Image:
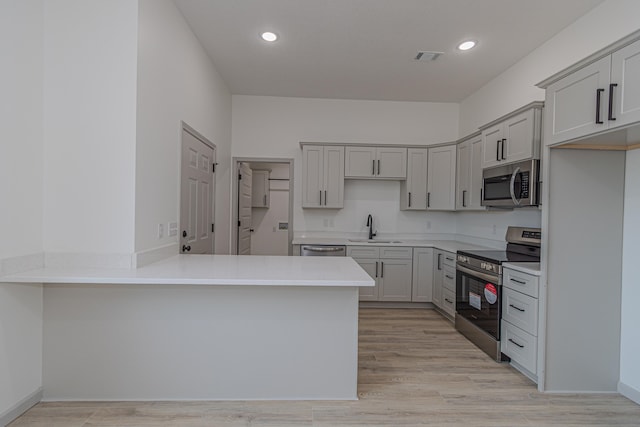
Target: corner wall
{"x":176,"y":82}
{"x":21,"y":191}
{"x":630,"y":344}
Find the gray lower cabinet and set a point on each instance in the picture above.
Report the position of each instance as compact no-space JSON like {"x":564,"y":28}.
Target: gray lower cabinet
{"x":519,"y":328}
{"x":391,"y":267}
{"x":444,"y":282}
{"x":422,"y":289}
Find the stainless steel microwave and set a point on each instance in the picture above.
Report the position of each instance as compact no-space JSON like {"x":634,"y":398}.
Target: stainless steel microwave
{"x":511,"y":186}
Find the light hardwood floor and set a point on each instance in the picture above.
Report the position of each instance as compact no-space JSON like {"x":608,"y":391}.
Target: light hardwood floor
{"x":415,"y":370}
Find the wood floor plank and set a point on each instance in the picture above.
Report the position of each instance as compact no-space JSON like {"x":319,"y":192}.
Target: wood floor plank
{"x":414,"y":370}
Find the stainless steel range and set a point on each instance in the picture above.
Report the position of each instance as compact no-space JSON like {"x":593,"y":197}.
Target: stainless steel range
{"x":479,"y":287}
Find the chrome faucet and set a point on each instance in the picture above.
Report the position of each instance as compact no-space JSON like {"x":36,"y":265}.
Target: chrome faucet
{"x":370,"y":225}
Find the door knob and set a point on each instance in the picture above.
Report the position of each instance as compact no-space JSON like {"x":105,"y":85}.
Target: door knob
{"x":184,"y":233}
{"x":186,"y":248}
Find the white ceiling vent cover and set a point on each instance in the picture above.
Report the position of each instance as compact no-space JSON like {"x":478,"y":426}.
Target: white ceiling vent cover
{"x":426,"y":56}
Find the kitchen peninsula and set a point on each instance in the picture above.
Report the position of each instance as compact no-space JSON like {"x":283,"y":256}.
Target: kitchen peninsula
{"x":202,"y":327}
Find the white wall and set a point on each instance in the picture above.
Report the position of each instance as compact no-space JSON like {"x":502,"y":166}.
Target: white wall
{"x":610,"y":21}
{"x":493,"y":224}
{"x":630,"y":342}
{"x":21,"y":160}
{"x":274,"y":127}
{"x":90,"y":55}
{"x":176,"y":82}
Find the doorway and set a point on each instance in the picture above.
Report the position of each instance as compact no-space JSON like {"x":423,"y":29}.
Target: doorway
{"x":197,"y":193}
{"x":262,"y":206}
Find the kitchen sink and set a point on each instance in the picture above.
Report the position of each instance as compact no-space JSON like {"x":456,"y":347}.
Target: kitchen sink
{"x":373,"y":241}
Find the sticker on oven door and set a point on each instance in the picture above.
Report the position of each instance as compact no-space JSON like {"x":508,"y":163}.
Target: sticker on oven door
{"x":490,"y":293}
{"x":475,"y":301}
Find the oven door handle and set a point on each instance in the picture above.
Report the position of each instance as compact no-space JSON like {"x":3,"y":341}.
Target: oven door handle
{"x":512,"y":188}
{"x":488,"y":277}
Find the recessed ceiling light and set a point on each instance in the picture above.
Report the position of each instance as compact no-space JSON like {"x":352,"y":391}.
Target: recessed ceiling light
{"x":466,"y":45}
{"x":268,"y":36}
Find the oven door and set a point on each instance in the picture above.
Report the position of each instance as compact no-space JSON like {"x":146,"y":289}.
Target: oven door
{"x":478,"y":299}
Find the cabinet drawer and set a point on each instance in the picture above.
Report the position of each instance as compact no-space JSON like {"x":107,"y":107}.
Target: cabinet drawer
{"x":363,"y":252}
{"x":449,"y":278}
{"x":520,"y":310}
{"x":521,"y":282}
{"x":520,"y":346}
{"x":448,"y":302}
{"x":396,"y":252}
{"x":449,"y":259}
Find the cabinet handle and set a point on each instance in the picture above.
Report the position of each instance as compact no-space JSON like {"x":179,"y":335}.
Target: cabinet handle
{"x":373,"y":167}
{"x":448,"y":277}
{"x":265,"y":200}
{"x":519,"y":345}
{"x":498,"y":151}
{"x":378,"y":167}
{"x":464,"y":193}
{"x":449,"y":258}
{"x":325,"y":197}
{"x":504,"y":141}
{"x":409,"y":198}
{"x":611,"y":87}
{"x":320,"y":197}
{"x":439,"y":261}
{"x":517,"y":308}
{"x":517,"y":281}
{"x":448,"y":300}
{"x":428,"y":199}
{"x":382,"y":269}
{"x":598,"y":95}
{"x":376,"y":269}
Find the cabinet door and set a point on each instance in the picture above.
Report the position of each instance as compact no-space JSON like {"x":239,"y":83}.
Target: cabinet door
{"x":438,"y":275}
{"x":474,"y":196}
{"x":519,"y":137}
{"x":391,"y":163}
{"x":463,"y":179}
{"x":333,"y":192}
{"x":441,"y":181}
{"x":491,"y":146}
{"x":422,"y":281}
{"x":260,"y":189}
{"x":413,"y":194}
{"x":360,"y":162}
{"x":371,"y":266}
{"x":312,"y":176}
{"x":395,"y":279}
{"x":570,"y":103}
{"x":625,"y":72}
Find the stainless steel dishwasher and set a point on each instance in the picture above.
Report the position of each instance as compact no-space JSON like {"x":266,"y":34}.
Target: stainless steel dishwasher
{"x":323,"y":250}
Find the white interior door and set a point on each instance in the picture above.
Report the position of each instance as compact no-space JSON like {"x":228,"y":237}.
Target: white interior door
{"x":196,"y":195}
{"x":244,"y":209}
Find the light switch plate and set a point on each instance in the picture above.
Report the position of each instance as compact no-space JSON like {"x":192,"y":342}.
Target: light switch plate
{"x":172,"y":229}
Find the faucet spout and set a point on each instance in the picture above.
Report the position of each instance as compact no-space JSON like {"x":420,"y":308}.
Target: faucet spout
{"x":370,"y":225}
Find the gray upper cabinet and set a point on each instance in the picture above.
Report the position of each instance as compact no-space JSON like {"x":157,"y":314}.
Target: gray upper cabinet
{"x":595,"y":95}
{"x":322,"y":176}
{"x":376,"y":162}
{"x":441,"y":178}
{"x":513,"y":138}
{"x":413,"y":191}
{"x":469,"y":173}
{"x":260,"y":189}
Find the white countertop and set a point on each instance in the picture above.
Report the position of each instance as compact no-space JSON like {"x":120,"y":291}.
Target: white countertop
{"x":532,"y":268}
{"x":445,"y":245}
{"x":213,"y":270}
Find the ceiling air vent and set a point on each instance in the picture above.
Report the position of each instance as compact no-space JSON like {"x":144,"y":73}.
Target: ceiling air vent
{"x":426,"y":56}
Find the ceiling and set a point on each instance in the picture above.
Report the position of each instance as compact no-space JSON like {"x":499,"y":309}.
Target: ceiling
{"x":365,"y":49}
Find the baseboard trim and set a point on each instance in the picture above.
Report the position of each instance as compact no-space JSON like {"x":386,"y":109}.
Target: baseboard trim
{"x":629,"y":392}
{"x":149,"y":256}
{"x":21,"y":407}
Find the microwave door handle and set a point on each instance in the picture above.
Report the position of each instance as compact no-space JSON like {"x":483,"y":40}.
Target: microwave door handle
{"x":512,"y":187}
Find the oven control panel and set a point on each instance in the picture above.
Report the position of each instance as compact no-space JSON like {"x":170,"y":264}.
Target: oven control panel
{"x":489,"y":267}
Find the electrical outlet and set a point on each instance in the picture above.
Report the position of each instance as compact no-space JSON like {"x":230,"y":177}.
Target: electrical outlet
{"x":172,"y":229}
{"x":160,"y":231}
